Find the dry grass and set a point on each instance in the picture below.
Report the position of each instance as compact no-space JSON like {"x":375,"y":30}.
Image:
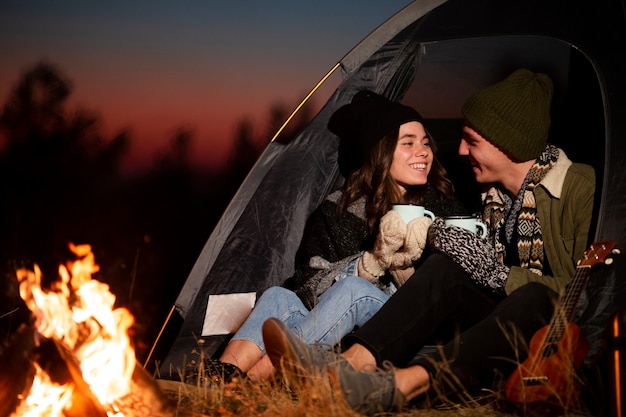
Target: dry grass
{"x":315,"y":398}
{"x":313,"y":395}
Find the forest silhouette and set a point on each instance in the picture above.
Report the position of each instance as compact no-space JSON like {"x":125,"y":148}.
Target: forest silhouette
{"x":62,"y":182}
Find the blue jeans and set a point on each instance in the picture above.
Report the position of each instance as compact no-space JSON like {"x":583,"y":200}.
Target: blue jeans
{"x":348,"y":303}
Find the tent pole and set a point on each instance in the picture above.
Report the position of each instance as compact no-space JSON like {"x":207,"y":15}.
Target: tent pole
{"x":169,"y":316}
{"x":167,"y":319}
{"x":328,"y":74}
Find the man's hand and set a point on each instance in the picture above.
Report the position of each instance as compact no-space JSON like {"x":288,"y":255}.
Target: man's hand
{"x":474,"y":254}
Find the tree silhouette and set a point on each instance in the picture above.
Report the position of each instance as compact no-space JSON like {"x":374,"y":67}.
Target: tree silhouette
{"x":55,"y":160}
{"x":245,"y":151}
{"x":35,"y":107}
{"x":55,"y":167}
{"x":62,"y":183}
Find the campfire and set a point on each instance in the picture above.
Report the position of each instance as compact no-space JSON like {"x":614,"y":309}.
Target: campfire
{"x":76,"y":358}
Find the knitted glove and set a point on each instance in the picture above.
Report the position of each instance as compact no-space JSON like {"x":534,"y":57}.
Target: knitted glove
{"x":390,"y":239}
{"x":475,"y":255}
{"x":401,"y":267}
{"x":414,"y":243}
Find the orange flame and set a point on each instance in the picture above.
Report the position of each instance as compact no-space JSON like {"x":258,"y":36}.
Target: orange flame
{"x":78,"y":312}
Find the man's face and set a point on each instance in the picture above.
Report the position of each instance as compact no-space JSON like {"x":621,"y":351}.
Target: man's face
{"x":489,"y":163}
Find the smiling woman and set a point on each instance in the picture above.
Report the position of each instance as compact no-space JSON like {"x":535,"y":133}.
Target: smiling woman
{"x":355,"y":250}
{"x":413,"y":156}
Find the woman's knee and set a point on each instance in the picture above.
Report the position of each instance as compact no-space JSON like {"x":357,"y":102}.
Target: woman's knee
{"x":276,"y":293}
{"x":355,"y":288}
{"x":353,"y":284}
{"x":280,"y":300}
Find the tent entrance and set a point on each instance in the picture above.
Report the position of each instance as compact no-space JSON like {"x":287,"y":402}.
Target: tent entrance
{"x":449,"y":71}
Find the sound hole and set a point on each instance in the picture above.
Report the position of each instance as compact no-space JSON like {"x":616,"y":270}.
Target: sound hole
{"x":549,"y":350}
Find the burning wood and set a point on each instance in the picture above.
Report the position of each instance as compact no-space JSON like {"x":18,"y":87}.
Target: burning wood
{"x":76,"y":359}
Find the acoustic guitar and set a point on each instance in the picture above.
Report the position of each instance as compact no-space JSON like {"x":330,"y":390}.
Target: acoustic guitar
{"x":557,"y":350}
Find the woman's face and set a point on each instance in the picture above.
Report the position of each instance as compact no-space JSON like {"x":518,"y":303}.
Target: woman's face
{"x":413,"y":156}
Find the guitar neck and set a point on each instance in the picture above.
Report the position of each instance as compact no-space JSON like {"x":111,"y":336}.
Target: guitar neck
{"x":567,"y":305}
{"x":596,"y":253}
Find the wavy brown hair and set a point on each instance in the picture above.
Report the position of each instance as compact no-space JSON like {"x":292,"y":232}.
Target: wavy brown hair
{"x":380,"y":190}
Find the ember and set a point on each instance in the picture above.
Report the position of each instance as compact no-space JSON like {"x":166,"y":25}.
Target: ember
{"x":79,"y":358}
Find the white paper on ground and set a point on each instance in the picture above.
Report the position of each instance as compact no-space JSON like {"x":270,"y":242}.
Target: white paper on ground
{"x":225,"y":313}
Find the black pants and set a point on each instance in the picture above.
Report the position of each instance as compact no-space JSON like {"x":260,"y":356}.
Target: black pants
{"x":480,"y":332}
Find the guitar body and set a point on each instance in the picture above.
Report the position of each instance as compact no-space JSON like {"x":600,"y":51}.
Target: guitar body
{"x":549,"y":372}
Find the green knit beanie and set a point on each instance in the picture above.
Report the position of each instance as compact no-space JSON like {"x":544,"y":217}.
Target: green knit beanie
{"x":513,"y":114}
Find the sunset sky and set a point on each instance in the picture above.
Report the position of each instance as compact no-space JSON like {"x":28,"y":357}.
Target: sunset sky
{"x":155,"y":66}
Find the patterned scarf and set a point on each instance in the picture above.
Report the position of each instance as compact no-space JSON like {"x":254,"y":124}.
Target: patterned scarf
{"x":500,"y":211}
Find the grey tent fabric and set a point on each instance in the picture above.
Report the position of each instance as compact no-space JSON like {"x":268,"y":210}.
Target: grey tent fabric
{"x":260,"y":230}
{"x":382,"y":65}
{"x":254,"y":244}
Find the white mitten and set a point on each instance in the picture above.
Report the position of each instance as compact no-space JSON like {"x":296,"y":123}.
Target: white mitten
{"x":414,"y":243}
{"x":391,"y":234}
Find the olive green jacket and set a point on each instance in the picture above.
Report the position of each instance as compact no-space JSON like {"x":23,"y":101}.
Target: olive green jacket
{"x":564,"y":201}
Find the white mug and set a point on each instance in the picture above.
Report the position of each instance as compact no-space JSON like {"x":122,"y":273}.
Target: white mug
{"x":409,"y":212}
{"x":467,"y":222}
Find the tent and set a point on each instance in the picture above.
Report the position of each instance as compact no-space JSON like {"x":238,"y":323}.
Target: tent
{"x":432,"y":55}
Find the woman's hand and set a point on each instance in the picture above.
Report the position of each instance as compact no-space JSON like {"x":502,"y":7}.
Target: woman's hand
{"x":414,"y":242}
{"x":391,"y":234}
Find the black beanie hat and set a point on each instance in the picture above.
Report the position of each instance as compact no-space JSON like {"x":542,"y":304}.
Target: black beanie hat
{"x":513,"y":114}
{"x":363,"y":123}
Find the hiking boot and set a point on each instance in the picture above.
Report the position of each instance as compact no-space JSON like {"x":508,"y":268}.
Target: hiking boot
{"x":291,"y":356}
{"x":222,"y":372}
{"x":213,"y":371}
{"x":368,"y":393}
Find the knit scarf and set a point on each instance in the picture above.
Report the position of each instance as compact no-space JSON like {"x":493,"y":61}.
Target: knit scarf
{"x":500,"y":211}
